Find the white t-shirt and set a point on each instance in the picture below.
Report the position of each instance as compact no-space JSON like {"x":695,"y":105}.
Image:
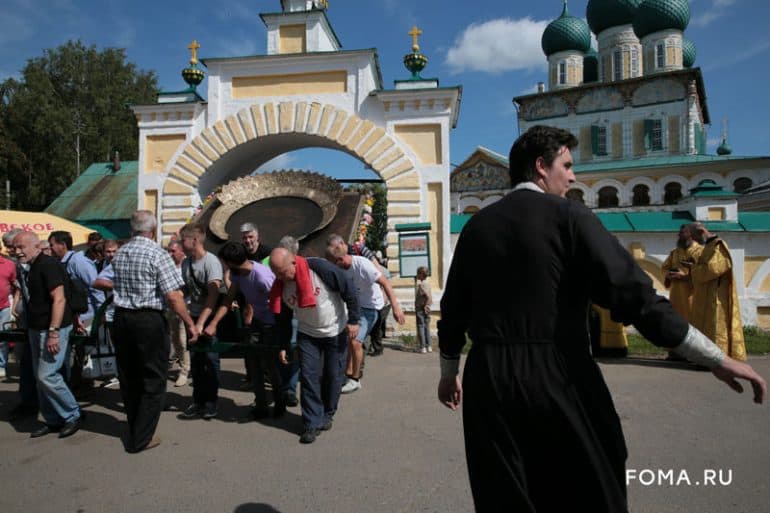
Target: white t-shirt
{"x":327,"y":319}
{"x":365,"y":276}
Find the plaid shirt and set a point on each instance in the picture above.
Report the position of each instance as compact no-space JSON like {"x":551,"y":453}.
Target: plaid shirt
{"x":144,"y":274}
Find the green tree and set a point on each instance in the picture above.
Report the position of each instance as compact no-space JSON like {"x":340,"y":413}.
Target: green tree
{"x":378,"y":231}
{"x":69,"y":109}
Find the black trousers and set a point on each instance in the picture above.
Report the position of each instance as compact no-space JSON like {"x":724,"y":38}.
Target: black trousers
{"x":261,"y":362}
{"x":541,"y":432}
{"x":141,"y":349}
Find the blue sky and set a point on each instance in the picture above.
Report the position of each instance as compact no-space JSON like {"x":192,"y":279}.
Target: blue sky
{"x":490,"y":47}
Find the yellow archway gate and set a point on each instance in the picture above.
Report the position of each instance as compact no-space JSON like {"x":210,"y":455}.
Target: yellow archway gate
{"x":194,"y":169}
{"x":305,"y":92}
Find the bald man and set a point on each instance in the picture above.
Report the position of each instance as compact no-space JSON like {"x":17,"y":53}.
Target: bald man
{"x":323,"y":330}
{"x":49,"y":323}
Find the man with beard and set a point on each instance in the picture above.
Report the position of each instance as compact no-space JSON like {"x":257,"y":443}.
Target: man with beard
{"x":676,"y":270}
{"x":715,"y":308}
{"x":539,"y":421}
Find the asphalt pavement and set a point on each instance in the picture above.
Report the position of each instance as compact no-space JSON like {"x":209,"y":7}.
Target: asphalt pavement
{"x":393,"y":448}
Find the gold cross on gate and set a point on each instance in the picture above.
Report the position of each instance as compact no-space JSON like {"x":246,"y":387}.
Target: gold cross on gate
{"x":415,"y":32}
{"x":194,"y":49}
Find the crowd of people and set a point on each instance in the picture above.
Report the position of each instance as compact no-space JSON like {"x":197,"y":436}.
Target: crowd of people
{"x":307,"y":322}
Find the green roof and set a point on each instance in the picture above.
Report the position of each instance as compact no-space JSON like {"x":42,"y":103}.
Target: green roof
{"x":615,"y":221}
{"x":688,"y":53}
{"x":755,"y":221}
{"x":603,"y":14}
{"x":653,"y":162}
{"x":566,"y":33}
{"x":671,"y":221}
{"x":100,"y":197}
{"x":457,"y":222}
{"x":656,"y":15}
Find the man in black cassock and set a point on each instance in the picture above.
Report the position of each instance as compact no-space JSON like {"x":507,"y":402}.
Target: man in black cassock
{"x":540,"y":426}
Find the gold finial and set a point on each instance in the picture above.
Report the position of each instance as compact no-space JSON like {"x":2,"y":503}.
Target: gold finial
{"x":415,"y":32}
{"x":323,"y":3}
{"x":194,"y":50}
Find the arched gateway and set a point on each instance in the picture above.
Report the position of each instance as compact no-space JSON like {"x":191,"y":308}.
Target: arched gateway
{"x":306,"y":92}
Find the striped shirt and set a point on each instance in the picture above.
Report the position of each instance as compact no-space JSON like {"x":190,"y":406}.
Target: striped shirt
{"x":144,"y":274}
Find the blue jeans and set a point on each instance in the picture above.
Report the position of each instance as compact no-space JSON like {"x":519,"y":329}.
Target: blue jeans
{"x":5,"y":316}
{"x":57,"y":404}
{"x":322,"y":362}
{"x":423,"y":329}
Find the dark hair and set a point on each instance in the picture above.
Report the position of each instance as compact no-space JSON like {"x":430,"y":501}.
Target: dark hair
{"x":233,"y":253}
{"x":95,"y":237}
{"x":538,"y":141}
{"x":61,"y":237}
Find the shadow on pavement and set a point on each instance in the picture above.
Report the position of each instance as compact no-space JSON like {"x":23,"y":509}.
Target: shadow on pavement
{"x":651,"y":362}
{"x":252,"y":507}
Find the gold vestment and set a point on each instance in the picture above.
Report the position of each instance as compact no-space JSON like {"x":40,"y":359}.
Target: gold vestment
{"x":715,"y":308}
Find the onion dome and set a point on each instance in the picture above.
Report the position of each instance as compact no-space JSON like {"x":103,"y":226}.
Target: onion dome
{"x":655,"y":15}
{"x":724,"y":149}
{"x":566,"y":33}
{"x":193,"y":75}
{"x":688,"y":53}
{"x":416,"y":61}
{"x":590,"y":66}
{"x":603,"y":14}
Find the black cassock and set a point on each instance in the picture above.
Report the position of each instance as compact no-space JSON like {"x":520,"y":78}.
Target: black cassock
{"x":541,"y":430}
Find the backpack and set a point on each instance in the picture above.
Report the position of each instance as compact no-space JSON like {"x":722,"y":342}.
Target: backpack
{"x":75,"y":292}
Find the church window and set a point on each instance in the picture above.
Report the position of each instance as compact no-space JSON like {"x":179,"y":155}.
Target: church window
{"x":653,"y":134}
{"x":562,"y":73}
{"x":672,"y":193}
{"x":660,"y":55}
{"x":608,"y":197}
{"x":634,"y":62}
{"x":741,"y":184}
{"x":599,"y":140}
{"x":617,"y":65}
{"x":641,"y":196}
{"x":576,"y":194}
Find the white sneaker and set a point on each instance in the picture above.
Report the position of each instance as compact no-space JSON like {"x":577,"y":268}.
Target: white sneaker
{"x":113,"y":383}
{"x":2,"y":372}
{"x":181,"y":380}
{"x":351,"y":386}
{"x":430,"y":349}
{"x":423,"y":350}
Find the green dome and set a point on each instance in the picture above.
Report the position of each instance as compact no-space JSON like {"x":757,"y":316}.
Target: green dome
{"x":655,"y":15}
{"x":688,"y":53}
{"x":603,"y":14}
{"x":724,"y":148}
{"x":566,"y":33}
{"x":590,"y":67}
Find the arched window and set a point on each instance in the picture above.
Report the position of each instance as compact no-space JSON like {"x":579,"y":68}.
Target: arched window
{"x":471,"y":209}
{"x":741,"y":184}
{"x":608,"y":197}
{"x":641,"y":196}
{"x":672,"y":193}
{"x":576,"y":194}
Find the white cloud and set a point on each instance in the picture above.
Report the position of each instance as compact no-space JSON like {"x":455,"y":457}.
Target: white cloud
{"x":530,"y":90}
{"x":716,"y":10}
{"x":735,"y":58}
{"x":498,"y":45}
{"x":280,"y":162}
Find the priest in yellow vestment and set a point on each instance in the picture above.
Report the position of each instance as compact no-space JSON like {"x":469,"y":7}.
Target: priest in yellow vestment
{"x":715,"y":308}
{"x":676,"y":272}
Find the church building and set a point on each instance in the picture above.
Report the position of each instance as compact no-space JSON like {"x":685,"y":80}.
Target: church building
{"x":637,"y":105}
